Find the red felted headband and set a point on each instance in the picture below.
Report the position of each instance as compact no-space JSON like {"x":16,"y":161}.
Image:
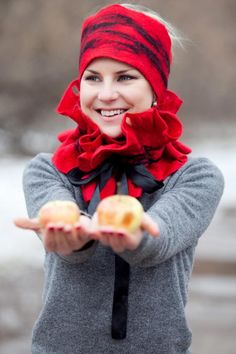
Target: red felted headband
{"x":131,"y":37}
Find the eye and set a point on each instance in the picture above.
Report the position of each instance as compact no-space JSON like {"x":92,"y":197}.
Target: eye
{"x":92,"y":78}
{"x":126,"y":77}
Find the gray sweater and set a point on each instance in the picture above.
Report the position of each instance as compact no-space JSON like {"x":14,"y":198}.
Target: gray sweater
{"x":78,"y":291}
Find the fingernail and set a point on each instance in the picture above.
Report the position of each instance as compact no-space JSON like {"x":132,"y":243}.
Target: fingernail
{"x":51,"y":228}
{"x":78,"y":228}
{"x":120,"y":234}
{"x":67,"y":230}
{"x":108,"y":233}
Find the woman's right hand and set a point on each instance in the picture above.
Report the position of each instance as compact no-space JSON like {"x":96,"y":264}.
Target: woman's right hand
{"x":58,"y":237}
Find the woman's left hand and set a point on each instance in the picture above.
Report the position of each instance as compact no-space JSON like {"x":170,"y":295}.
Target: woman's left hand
{"x":120,"y":239}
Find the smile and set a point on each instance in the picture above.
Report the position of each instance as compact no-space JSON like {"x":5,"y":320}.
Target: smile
{"x":111,"y":112}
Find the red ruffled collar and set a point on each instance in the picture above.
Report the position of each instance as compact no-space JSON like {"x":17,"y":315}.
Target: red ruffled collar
{"x":149,"y":137}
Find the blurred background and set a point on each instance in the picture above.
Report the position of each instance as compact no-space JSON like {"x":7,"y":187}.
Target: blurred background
{"x":39,"y":44}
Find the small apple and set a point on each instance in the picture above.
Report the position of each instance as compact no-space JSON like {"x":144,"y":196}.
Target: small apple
{"x":57,"y":211}
{"x":120,"y":211}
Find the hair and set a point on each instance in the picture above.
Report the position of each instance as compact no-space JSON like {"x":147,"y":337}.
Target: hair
{"x":175,"y":35}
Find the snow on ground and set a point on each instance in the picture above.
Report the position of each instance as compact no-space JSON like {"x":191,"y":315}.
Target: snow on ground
{"x":16,"y":245}
{"x":219,"y":241}
{"x":19,"y":245}
{"x":223,"y":155}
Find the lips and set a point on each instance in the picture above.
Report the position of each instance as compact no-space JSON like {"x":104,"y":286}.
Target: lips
{"x":110,"y":112}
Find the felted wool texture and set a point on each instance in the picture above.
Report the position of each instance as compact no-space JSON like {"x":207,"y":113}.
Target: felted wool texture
{"x":151,"y":139}
{"x":131,"y":37}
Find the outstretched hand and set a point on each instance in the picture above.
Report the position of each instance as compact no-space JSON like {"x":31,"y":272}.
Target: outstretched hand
{"x":58,"y":237}
{"x":121,"y":240}
{"x":64,"y":239}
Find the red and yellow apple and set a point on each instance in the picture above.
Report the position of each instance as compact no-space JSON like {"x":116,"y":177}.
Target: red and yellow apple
{"x":59,"y":211}
{"x":121,"y":212}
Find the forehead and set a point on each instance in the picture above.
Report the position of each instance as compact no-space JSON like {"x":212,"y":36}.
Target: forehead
{"x":105,"y":64}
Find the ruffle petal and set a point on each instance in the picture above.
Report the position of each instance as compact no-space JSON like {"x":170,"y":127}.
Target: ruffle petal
{"x":170,"y":102}
{"x":69,"y":104}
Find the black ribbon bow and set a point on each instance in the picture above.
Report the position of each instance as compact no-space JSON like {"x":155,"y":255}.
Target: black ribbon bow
{"x":117,"y":166}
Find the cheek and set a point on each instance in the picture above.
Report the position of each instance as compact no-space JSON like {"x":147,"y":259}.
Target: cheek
{"x":85,"y":97}
{"x":149,"y":94}
{"x":143,"y":97}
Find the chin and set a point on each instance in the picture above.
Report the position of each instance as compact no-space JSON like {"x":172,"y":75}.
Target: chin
{"x":111,"y":133}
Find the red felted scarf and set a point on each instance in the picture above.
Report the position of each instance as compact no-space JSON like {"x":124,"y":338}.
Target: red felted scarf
{"x":150,"y":137}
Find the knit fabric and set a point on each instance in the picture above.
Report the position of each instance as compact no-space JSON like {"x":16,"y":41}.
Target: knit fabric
{"x":78,"y":291}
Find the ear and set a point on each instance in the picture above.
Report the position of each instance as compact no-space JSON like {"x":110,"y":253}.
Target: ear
{"x":154,"y":100}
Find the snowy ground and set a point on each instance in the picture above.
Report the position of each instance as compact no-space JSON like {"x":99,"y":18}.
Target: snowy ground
{"x":16,"y":245}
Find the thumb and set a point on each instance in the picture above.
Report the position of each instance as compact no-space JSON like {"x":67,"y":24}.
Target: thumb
{"x":149,"y":225}
{"x":29,"y":224}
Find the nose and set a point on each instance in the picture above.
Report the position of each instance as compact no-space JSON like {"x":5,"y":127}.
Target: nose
{"x":107,"y":92}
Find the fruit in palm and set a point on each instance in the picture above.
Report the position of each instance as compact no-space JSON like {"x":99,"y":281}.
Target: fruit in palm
{"x":121,"y":212}
{"x":59,"y":211}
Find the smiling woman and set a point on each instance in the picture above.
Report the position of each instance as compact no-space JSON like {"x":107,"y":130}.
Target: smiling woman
{"x":110,"y":290}
{"x":109,"y":89}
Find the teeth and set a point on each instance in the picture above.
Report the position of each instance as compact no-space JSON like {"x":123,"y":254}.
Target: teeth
{"x":112,"y":112}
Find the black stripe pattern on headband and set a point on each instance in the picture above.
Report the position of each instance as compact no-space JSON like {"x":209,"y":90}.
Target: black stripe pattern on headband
{"x":125,"y":20}
{"x":135,"y":46}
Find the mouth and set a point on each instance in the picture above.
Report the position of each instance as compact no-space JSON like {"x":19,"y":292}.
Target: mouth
{"x":110,"y":113}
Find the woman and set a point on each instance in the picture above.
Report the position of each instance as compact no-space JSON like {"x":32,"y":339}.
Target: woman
{"x":109,"y":291}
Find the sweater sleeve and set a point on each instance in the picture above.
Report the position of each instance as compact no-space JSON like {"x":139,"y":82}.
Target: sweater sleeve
{"x":42,"y":182}
{"x":183,"y":213}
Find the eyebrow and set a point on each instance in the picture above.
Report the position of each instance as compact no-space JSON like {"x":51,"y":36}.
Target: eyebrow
{"x":117,"y":72}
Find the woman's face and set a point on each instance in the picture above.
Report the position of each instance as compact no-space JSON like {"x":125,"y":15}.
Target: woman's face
{"x":109,"y":89}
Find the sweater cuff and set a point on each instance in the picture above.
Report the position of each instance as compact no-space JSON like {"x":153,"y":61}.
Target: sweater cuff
{"x":149,"y":253}
{"x":86,"y":246}
{"x":81,"y":255}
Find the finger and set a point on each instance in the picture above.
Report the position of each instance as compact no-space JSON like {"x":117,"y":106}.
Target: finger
{"x":94,"y":235}
{"x":48,"y":237}
{"x":113,"y":238}
{"x":76,"y":236}
{"x":83,"y":236}
{"x":63,"y":236}
{"x":73,"y":239}
{"x":54,"y":238}
{"x":104,"y":239}
{"x":132,"y":240}
{"x":149,"y":225}
{"x":116,"y":243}
{"x":29,"y":224}
{"x":82,"y":229}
